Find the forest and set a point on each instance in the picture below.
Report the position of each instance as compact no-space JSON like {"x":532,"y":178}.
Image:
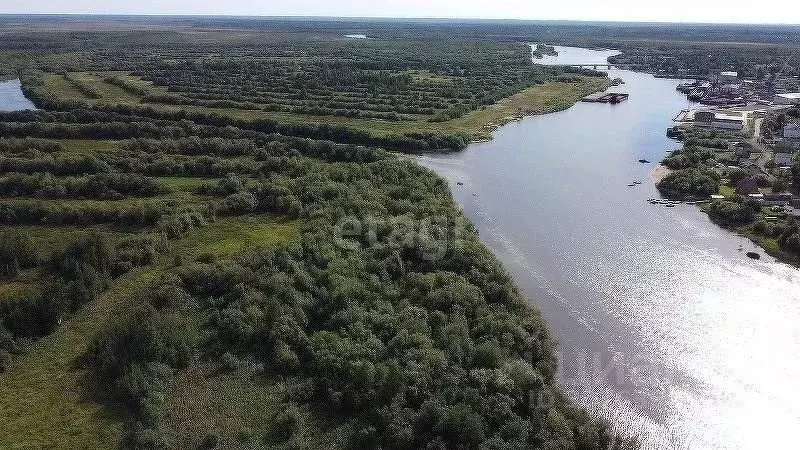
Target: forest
{"x":175,"y":277}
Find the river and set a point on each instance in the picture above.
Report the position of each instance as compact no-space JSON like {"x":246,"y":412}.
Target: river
{"x":12,"y":98}
{"x":664,"y":326}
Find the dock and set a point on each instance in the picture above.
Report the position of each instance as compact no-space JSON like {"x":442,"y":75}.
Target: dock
{"x":605,"y":97}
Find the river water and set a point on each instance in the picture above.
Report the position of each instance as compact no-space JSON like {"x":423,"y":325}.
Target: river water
{"x":664,"y":326}
{"x":12,"y":98}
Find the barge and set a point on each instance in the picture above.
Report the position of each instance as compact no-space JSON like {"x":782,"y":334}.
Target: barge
{"x":605,"y":97}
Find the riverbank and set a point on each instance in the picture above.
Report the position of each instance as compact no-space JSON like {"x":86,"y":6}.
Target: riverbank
{"x":742,"y":194}
{"x":664,"y":297}
{"x":769,"y":244}
{"x":540,"y":99}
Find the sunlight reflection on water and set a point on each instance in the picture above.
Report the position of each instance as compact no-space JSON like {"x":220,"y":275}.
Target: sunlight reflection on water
{"x":665,"y":327}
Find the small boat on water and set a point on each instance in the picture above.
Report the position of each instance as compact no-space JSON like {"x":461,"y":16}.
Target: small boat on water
{"x":753,"y":255}
{"x":644,"y":161}
{"x":670,"y":205}
{"x":460,"y":183}
{"x":631,"y":184}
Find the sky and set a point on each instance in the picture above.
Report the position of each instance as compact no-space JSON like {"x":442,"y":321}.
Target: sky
{"x":712,"y":11}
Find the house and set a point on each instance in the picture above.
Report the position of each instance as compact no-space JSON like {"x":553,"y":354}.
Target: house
{"x":728,"y":77}
{"x":790,"y":98}
{"x":783,"y":158}
{"x":791,"y":136}
{"x":747,"y":186}
{"x":779,"y":199}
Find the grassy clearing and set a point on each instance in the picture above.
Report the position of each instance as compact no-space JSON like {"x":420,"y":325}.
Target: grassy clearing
{"x":42,"y":396}
{"x":58,"y":86}
{"x":540,"y":99}
{"x":430,"y":77}
{"x":770,"y":245}
{"x":233,"y":406}
{"x":15,"y":288}
{"x":186,"y":198}
{"x":43,"y":401}
{"x":107,"y":91}
{"x":726,"y":190}
{"x":184,"y":183}
{"x":230,"y":236}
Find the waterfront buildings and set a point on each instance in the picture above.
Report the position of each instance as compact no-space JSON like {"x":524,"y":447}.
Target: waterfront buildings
{"x":789,"y":98}
{"x":716,"y":119}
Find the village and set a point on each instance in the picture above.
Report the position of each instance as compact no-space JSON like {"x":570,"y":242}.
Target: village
{"x":761,"y":134}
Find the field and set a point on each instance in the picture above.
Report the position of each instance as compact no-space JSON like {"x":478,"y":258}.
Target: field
{"x":478,"y":124}
{"x":208,"y":242}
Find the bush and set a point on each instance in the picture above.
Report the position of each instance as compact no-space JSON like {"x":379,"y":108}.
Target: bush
{"x":689,"y":183}
{"x":228,"y":362}
{"x":732,"y":213}
{"x":238,"y":203}
{"x":16,"y":252}
{"x":286,"y":422}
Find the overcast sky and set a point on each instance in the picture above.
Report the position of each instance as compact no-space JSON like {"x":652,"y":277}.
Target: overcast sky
{"x":734,"y":11}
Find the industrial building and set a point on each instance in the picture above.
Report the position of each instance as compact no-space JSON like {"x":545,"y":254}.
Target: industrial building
{"x":713,"y":119}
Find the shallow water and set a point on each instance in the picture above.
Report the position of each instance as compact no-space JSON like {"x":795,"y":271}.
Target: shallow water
{"x":664,"y":326}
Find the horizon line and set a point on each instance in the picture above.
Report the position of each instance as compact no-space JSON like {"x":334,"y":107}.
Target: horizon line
{"x":382,"y":18}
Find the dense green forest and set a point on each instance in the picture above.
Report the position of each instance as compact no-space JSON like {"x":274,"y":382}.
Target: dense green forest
{"x":174,"y":276}
{"x":656,"y":47}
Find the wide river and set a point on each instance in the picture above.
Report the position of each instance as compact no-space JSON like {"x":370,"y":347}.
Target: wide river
{"x":664,"y":326}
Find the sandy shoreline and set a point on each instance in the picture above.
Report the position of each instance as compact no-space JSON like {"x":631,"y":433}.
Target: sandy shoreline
{"x":659,"y":172}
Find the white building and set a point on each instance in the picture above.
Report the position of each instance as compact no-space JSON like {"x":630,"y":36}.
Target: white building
{"x":728,"y":77}
{"x":792,"y":98}
{"x":713,"y":119}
